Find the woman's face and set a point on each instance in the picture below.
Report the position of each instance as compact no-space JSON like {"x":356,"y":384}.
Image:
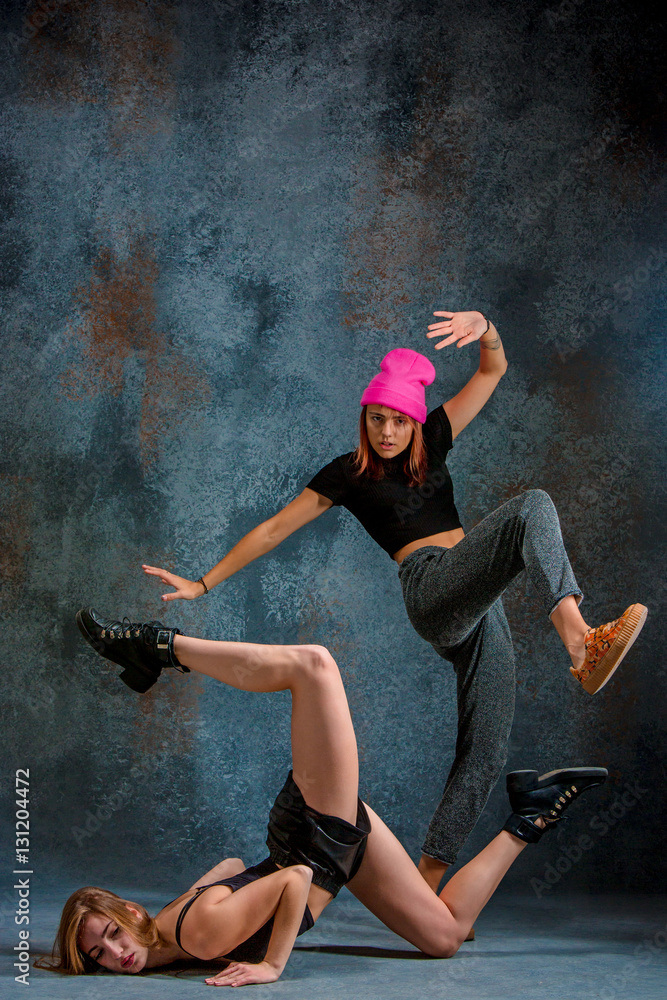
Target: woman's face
{"x":110,"y":945}
{"x":389,"y":431}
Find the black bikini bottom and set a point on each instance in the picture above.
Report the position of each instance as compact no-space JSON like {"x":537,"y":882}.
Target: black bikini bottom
{"x":331,"y":846}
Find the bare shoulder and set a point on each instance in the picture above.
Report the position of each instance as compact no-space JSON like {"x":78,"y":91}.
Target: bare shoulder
{"x":168,"y":916}
{"x":219,"y":921}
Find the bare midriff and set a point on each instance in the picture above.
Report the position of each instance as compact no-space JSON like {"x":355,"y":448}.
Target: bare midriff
{"x":447,"y":539}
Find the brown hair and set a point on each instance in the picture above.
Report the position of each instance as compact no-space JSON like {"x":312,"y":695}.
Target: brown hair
{"x":415,"y":462}
{"x":67,"y":956}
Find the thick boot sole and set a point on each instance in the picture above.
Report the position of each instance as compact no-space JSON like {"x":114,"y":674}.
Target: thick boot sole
{"x":548,"y":795}
{"x":134,"y":678}
{"x":529,"y":781}
{"x":136,"y":681}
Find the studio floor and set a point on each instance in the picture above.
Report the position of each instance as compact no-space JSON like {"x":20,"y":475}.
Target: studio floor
{"x":564,"y":947}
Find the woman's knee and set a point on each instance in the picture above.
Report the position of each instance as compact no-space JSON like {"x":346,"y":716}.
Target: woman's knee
{"x":317,"y":662}
{"x":538,"y":501}
{"x":444,"y":941}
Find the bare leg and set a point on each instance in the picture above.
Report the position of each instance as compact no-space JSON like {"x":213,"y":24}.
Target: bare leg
{"x":571,"y":627}
{"x":432,"y":871}
{"x":390,"y":886}
{"x":324,"y":746}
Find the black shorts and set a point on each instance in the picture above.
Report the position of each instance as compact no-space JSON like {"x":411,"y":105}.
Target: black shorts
{"x":331,"y":846}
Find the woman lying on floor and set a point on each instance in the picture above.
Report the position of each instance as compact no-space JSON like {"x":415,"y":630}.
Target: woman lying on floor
{"x":321,"y":836}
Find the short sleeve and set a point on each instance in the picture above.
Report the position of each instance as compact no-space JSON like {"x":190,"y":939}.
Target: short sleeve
{"x":331,"y":481}
{"x":438,"y":432}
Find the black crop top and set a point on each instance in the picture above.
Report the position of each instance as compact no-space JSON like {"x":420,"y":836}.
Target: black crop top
{"x":255,"y":947}
{"x":392,"y":512}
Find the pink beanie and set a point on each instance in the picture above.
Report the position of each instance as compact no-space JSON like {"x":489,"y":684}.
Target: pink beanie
{"x":401,"y":381}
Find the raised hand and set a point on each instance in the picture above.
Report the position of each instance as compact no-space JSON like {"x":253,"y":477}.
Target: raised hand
{"x":460,"y":328}
{"x":244,"y":974}
{"x":185,"y":590}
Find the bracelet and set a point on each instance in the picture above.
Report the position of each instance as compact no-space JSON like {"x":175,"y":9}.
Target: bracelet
{"x":201,"y":580}
{"x":488,"y":326}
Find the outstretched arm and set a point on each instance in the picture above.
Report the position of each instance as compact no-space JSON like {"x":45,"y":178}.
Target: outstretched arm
{"x":266,"y":536}
{"x":464,"y":328}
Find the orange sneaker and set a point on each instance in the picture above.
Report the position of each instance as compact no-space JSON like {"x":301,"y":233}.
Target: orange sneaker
{"x":606,"y":646}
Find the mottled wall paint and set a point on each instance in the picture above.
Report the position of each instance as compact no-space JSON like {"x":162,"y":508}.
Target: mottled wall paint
{"x":217,"y":217}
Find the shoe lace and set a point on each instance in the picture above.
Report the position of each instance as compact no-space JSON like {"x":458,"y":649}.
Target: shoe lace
{"x":126,"y":629}
{"x":555,"y":815}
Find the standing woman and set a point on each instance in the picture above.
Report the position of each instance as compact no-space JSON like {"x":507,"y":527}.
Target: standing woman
{"x":397,"y":484}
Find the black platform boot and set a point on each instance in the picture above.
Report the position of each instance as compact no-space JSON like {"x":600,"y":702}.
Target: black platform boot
{"x":142,"y":648}
{"x":548,"y":796}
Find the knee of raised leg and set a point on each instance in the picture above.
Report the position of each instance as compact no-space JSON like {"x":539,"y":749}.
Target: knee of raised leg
{"x":319,"y":661}
{"x":538,"y":500}
{"x":444,"y":946}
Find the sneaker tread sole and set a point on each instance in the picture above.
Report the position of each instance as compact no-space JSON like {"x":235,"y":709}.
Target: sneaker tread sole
{"x":621,"y":645}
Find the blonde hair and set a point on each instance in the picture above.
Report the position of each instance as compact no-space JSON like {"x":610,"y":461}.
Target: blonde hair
{"x":67,"y":956}
{"x":415,"y":464}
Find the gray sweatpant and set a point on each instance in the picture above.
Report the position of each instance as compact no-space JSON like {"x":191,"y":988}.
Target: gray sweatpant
{"x":452,"y":597}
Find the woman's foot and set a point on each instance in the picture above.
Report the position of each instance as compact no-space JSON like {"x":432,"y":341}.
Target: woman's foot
{"x":605,"y":647}
{"x":539,"y":801}
{"x":142,"y":648}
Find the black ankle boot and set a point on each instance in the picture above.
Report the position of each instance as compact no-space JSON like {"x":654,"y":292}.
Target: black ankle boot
{"x":548,"y":796}
{"x":142,"y":648}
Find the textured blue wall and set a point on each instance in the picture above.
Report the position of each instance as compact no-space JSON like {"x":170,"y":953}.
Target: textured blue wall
{"x":217,"y":218}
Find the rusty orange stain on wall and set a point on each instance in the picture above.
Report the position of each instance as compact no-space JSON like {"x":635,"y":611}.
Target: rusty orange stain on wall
{"x":116,"y":318}
{"x":61,"y":49}
{"x":116,"y":321}
{"x":118,"y":54}
{"x":405,"y":199}
{"x":139,"y":46}
{"x":168,"y":715}
{"x":174,"y":386}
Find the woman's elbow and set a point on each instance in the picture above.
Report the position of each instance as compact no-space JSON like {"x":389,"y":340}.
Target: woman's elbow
{"x":272,"y":531}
